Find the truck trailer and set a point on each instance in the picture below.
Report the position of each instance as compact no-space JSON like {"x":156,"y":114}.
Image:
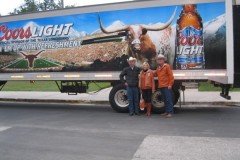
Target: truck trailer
{"x":78,"y":46}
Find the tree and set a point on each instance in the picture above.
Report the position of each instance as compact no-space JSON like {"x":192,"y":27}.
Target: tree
{"x":34,"y":6}
{"x":69,"y":6}
{"x":49,"y":5}
{"x":28,"y":6}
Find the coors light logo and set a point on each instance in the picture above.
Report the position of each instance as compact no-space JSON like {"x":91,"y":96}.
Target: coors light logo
{"x":7,"y":33}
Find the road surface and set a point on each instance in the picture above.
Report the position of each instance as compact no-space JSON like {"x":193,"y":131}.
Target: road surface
{"x":93,"y":132}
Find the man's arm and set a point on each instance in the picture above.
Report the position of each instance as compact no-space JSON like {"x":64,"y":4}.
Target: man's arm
{"x":122,"y":74}
{"x":139,"y":70}
{"x":155,"y":73}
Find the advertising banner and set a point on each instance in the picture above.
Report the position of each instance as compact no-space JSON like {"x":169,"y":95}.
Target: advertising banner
{"x":191,"y":36}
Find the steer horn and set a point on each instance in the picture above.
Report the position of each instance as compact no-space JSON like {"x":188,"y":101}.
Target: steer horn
{"x":162,"y":27}
{"x":39,"y":52}
{"x":119,"y":29}
{"x":24,"y":54}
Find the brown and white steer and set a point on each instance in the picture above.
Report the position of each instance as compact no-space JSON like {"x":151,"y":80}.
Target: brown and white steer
{"x":145,"y":42}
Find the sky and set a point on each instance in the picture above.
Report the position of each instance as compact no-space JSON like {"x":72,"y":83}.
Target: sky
{"x":9,"y":5}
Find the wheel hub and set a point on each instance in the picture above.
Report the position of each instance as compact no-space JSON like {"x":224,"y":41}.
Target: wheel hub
{"x":121,"y":98}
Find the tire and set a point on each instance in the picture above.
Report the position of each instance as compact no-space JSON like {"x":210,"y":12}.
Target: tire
{"x":157,"y":100}
{"x":118,"y":98}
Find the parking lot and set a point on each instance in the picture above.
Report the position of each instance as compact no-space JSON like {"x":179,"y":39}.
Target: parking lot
{"x":96,"y":132}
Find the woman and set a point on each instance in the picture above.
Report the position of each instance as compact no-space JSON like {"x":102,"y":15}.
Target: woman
{"x":147,"y":86}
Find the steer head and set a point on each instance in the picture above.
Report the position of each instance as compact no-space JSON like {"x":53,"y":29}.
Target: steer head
{"x":135,"y":32}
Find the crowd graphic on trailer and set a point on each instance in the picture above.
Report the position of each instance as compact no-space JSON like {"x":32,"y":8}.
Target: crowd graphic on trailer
{"x":104,"y":41}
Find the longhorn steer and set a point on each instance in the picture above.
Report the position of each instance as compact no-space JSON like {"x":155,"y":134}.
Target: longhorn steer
{"x":31,"y":57}
{"x":144,"y":45}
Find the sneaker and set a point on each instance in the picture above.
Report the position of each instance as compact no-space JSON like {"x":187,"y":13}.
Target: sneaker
{"x":169,"y":115}
{"x":130,"y":114}
{"x":164,"y":114}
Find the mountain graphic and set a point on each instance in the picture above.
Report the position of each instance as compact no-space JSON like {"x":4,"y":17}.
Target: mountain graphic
{"x":212,"y":26}
{"x":214,"y":31}
{"x":31,"y":24}
{"x":73,"y":34}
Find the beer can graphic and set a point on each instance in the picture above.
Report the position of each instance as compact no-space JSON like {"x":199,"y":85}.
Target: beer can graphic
{"x":189,"y":39}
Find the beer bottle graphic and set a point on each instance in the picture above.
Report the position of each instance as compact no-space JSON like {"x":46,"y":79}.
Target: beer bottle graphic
{"x":189,"y":39}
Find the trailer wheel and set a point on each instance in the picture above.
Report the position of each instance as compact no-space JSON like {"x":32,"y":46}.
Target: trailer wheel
{"x":158,"y":103}
{"x":118,"y":98}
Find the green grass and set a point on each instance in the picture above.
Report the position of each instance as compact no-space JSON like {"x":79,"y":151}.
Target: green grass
{"x":38,"y":63}
{"x":27,"y":86}
{"x":205,"y":87}
{"x":44,"y":86}
{"x":41,"y":63}
{"x":21,"y":64}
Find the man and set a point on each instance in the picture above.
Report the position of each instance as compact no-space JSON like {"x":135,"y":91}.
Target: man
{"x":165,"y":83}
{"x":131,"y":74}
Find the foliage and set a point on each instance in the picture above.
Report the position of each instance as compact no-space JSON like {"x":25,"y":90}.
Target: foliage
{"x":36,"y":6}
{"x":46,"y":86}
{"x":28,"y":6}
{"x":205,"y":87}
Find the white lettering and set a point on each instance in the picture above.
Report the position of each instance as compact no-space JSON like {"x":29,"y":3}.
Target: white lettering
{"x":189,"y":50}
{"x":34,"y":32}
{"x":57,"y":29}
{"x":67,"y":28}
{"x":48,"y":30}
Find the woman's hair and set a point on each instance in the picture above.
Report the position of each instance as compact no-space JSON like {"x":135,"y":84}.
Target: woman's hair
{"x":146,"y":63}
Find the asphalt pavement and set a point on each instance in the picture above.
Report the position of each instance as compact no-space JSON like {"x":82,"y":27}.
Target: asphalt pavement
{"x":42,"y":131}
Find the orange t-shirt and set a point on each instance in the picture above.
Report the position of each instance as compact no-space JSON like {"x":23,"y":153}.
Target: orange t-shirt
{"x":165,"y":76}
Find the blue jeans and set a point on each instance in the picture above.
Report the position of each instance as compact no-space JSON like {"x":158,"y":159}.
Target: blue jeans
{"x":167,"y":98}
{"x":133,"y":99}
